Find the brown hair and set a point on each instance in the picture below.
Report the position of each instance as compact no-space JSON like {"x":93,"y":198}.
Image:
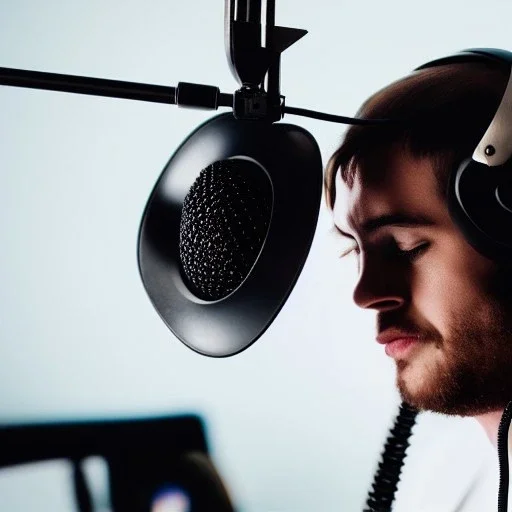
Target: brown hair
{"x":443,"y":112}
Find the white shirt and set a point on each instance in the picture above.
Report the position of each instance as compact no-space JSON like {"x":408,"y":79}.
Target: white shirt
{"x":451,"y":466}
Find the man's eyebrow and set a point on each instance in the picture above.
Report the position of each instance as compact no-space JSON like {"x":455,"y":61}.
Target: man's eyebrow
{"x":391,"y":219}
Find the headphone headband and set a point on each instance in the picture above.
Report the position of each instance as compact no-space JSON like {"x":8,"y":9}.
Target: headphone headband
{"x":495,"y":147}
{"x":494,"y":55}
{"x":479,"y":191}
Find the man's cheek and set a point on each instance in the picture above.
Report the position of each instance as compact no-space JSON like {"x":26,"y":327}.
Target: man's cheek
{"x":429,"y":298}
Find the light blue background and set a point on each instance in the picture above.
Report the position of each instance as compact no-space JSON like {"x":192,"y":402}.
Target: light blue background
{"x":297,"y":421}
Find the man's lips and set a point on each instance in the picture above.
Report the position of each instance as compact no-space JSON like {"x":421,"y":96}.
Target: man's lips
{"x":390,"y":335}
{"x":397,"y":342}
{"x":400,"y":346}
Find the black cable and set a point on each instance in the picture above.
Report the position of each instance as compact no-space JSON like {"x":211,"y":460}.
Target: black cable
{"x":387,"y":476}
{"x":336,"y":119}
{"x":503,"y":457}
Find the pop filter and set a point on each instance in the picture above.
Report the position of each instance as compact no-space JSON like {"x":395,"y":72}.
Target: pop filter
{"x":227,"y":229}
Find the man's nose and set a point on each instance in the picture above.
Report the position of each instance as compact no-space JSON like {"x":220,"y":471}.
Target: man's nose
{"x":380,"y":287}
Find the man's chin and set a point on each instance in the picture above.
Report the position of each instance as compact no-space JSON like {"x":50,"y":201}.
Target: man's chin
{"x":437,"y":396}
{"x":425,"y":392}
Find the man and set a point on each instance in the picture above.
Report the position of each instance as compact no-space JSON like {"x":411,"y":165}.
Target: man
{"x":444,"y":311}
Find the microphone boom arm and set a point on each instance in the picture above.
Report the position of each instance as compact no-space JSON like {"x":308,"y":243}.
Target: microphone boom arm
{"x":87,"y":85}
{"x":187,"y":95}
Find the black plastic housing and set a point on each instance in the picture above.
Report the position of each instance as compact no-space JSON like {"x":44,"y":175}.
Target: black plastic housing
{"x":291,"y":158}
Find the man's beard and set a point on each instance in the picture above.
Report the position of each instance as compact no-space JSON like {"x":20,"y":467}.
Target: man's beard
{"x":474,"y":373}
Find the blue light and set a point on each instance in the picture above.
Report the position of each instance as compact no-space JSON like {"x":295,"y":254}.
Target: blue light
{"x":171,"y":499}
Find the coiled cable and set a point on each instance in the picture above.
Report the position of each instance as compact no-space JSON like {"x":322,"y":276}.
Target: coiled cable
{"x":387,"y":476}
{"x":503,"y":457}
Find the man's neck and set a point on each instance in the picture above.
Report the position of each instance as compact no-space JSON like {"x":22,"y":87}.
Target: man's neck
{"x":490,"y":422}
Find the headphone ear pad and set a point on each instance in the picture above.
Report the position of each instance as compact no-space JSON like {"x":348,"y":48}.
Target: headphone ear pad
{"x":477,"y":200}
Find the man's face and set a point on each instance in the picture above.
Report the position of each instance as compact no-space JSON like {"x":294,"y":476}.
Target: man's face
{"x":447,"y":302}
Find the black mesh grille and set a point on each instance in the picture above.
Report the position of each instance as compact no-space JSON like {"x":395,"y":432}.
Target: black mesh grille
{"x":224,"y":221}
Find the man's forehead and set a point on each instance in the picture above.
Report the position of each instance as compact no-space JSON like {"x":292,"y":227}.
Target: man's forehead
{"x":350,"y":207}
{"x":408,"y":186}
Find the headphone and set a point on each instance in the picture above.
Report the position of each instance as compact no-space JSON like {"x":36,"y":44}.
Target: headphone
{"x":480,"y":189}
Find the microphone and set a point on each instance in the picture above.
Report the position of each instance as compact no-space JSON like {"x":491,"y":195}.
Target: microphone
{"x":227,"y":229}
{"x":224,"y":222}
{"x":228,"y":226}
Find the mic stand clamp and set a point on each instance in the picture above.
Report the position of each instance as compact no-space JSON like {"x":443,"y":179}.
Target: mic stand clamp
{"x":251,"y":61}
{"x":254,"y":103}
